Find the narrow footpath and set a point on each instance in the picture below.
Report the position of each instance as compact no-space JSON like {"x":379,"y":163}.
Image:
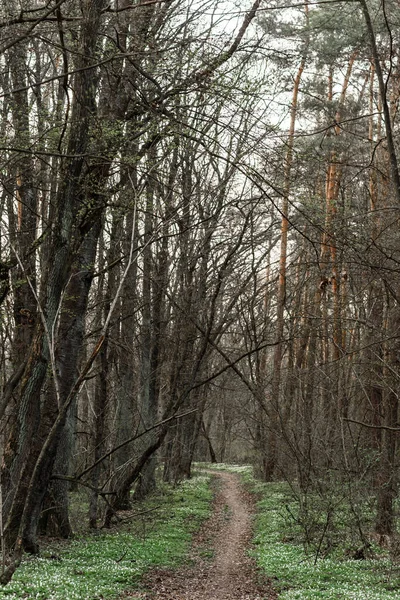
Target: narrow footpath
{"x":231,"y":573}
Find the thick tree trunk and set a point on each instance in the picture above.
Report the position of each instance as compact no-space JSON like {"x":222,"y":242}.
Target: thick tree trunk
{"x":25,"y":447}
{"x":131,"y":474}
{"x":101,"y":394}
{"x":72,"y":329}
{"x":126,"y":417}
{"x":22,"y":218}
{"x":205,"y":432}
{"x":387,"y":473}
{"x":148,"y":370}
{"x":185,"y":439}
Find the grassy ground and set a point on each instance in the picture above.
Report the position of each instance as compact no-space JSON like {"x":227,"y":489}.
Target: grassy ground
{"x":100,"y":566}
{"x":299,"y":573}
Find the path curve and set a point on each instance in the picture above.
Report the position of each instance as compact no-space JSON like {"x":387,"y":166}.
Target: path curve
{"x":232,"y":574}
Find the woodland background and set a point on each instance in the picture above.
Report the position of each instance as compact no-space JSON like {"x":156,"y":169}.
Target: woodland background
{"x":199,"y":252}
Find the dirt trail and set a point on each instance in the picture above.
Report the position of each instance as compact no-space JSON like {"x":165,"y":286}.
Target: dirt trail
{"x":231,"y":575}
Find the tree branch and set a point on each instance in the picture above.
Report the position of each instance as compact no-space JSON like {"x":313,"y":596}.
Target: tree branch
{"x":386,"y":427}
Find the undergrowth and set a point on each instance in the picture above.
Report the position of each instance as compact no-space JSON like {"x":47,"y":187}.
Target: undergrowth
{"x":301,"y":573}
{"x":297,"y":568}
{"x":100,"y":566}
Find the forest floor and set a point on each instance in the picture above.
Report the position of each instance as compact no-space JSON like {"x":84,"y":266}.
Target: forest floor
{"x":221,"y":568}
{"x":192,"y":542}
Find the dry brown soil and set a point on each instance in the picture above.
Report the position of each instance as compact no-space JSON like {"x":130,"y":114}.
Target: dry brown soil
{"x":230,"y":574}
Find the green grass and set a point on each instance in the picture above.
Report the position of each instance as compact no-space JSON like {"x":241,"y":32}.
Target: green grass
{"x":298,"y":575}
{"x":102,"y":566}
{"x":301,"y":576}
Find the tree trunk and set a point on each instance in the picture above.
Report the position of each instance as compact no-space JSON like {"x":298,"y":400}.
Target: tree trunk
{"x":274,"y":403}
{"x":25,"y":447}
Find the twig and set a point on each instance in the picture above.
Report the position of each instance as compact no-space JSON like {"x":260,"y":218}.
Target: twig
{"x":73,"y":479}
{"x":373,"y":426}
{"x":132,"y":439}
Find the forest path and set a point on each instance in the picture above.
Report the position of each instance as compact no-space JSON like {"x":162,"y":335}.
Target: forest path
{"x":231,"y":574}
